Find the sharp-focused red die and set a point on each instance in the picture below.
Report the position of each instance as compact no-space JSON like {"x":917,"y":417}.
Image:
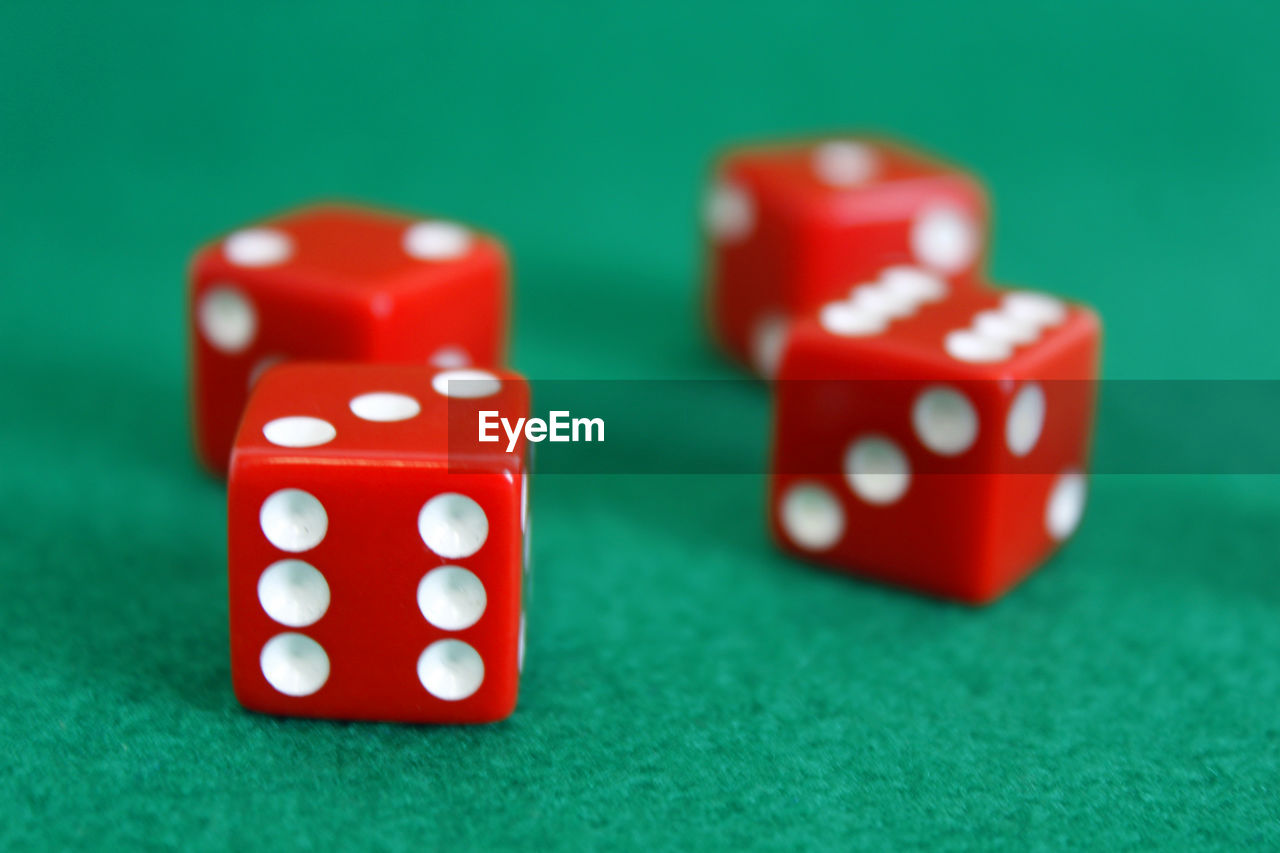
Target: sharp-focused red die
{"x":376,"y":547}
{"x":934,"y":437}
{"x":337,"y":282}
{"x":791,"y":226}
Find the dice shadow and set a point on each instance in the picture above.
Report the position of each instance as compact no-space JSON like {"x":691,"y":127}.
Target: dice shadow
{"x":162,"y":631}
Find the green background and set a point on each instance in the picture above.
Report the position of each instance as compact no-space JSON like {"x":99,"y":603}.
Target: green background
{"x":686,"y":685}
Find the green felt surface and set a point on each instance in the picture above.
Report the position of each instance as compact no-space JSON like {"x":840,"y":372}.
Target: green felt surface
{"x":686,"y":685}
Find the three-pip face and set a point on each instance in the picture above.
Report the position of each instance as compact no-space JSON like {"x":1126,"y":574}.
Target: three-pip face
{"x":376,"y":548}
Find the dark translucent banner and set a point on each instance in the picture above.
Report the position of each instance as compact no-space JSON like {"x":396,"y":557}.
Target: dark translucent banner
{"x":816,"y":426}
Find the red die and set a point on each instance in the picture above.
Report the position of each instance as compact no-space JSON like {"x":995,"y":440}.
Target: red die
{"x":339,"y":283}
{"x":375,"y":548}
{"x":792,"y":226}
{"x":931,"y":437}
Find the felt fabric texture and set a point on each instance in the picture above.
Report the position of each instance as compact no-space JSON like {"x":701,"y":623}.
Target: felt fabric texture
{"x":686,"y":685}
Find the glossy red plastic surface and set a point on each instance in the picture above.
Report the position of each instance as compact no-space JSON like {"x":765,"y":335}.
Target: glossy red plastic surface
{"x":373,"y":478}
{"x":343,"y":285}
{"x":971,"y":522}
{"x":783,"y":239}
